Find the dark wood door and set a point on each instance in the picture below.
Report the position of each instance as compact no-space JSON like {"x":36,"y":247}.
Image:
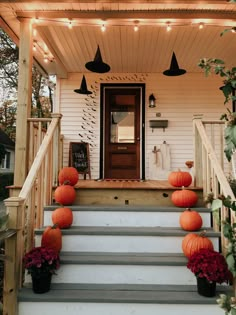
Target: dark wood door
{"x":122,"y":133}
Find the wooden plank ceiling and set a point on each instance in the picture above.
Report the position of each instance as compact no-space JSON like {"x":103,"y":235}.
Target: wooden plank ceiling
{"x":147,"y":50}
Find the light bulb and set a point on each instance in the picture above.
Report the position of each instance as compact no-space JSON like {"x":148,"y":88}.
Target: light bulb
{"x":201,"y":25}
{"x":136,"y":28}
{"x":168,"y":28}
{"x":70,"y":25}
{"x":103,"y":28}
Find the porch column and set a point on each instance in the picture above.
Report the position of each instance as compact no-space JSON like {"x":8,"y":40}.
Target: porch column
{"x":24,"y":96}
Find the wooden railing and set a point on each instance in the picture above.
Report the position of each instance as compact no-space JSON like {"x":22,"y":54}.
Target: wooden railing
{"x":25,"y":206}
{"x":211,"y":168}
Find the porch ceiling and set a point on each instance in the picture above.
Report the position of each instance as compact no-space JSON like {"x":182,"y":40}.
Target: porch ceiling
{"x":147,"y":50}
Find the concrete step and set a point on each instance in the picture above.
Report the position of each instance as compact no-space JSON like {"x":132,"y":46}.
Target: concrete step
{"x":116,"y":299}
{"x":124,"y":268}
{"x":127,"y":215}
{"x":125,"y":239}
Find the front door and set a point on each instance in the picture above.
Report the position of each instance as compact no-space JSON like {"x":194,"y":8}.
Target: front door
{"x":122,"y":133}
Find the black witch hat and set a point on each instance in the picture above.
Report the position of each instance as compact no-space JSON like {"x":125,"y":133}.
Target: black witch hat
{"x":174,"y":68}
{"x":83,"y":87}
{"x":97,"y":65}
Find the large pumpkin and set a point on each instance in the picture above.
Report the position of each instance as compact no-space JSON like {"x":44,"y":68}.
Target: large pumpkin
{"x":180,"y":179}
{"x":63,"y":217}
{"x":190,"y":220}
{"x":192,"y":243}
{"x":52,"y":238}
{"x":65,"y":195}
{"x":68,"y":176}
{"x":184,"y":198}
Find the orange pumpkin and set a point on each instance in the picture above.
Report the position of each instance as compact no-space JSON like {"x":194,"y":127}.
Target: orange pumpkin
{"x":180,"y":179}
{"x":63,"y":217}
{"x":52,"y":238}
{"x":184,"y":198}
{"x":190,"y":220}
{"x":192,"y":243}
{"x":65,"y":195}
{"x":68,"y":176}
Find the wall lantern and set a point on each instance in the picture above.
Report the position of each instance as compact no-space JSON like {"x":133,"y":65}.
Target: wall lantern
{"x":152,"y":101}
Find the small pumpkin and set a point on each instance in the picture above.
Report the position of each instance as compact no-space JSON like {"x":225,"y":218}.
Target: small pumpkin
{"x":65,"y":195}
{"x":52,"y":238}
{"x":190,"y":220}
{"x":63,"y":217}
{"x":193,"y":242}
{"x":180,"y":179}
{"x":68,"y":175}
{"x":184,"y":198}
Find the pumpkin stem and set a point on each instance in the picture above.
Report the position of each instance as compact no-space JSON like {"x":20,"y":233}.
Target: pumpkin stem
{"x":55,"y":226}
{"x":203,"y":233}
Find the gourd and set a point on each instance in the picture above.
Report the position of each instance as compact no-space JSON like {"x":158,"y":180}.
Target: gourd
{"x":184,"y":198}
{"x":190,"y":220}
{"x":65,"y":195}
{"x":180,"y":179}
{"x":63,"y":217}
{"x":68,"y":176}
{"x":52,"y":238}
{"x":193,"y":242}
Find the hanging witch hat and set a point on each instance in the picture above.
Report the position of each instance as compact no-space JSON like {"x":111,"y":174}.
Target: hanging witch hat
{"x":97,"y":65}
{"x":174,"y":68}
{"x":83,"y":87}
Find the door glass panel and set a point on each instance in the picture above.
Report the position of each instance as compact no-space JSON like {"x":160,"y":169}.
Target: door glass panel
{"x":122,"y":127}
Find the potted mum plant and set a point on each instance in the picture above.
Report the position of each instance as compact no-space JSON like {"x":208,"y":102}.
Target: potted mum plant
{"x":41,"y":263}
{"x":209,"y":267}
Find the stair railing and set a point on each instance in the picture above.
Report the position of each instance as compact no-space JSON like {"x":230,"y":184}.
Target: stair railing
{"x":25,"y":206}
{"x":211,"y":167}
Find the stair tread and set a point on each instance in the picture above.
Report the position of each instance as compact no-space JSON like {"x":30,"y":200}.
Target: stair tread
{"x":118,"y":293}
{"x":135,"y":231}
{"x":123,"y":258}
{"x":126,"y":208}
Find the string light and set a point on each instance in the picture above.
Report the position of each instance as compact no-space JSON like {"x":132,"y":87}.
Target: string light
{"x":168,"y":27}
{"x":233,"y":30}
{"x":136,"y":28}
{"x":103,"y":28}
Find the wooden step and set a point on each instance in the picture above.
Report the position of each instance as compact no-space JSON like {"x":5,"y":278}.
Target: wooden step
{"x":93,"y":215}
{"x":125,"y":239}
{"x":135,"y":268}
{"x":116,"y":299}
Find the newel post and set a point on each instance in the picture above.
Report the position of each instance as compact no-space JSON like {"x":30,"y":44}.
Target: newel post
{"x":14,"y":249}
{"x":57,"y":149}
{"x":198,"y":167}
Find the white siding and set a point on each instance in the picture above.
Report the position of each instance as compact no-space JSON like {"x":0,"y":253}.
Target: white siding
{"x":178,"y":99}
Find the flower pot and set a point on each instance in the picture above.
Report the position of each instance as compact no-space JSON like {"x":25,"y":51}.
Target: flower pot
{"x":206,"y":288}
{"x":41,"y":283}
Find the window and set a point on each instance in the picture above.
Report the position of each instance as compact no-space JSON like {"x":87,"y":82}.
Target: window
{"x":6,"y":160}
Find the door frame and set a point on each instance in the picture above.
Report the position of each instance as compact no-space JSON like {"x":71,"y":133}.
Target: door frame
{"x":142,"y":88}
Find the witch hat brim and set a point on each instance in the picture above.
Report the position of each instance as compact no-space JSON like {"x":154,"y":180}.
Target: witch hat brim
{"x":97,"y":65}
{"x":174,"y":68}
{"x":83,"y":87}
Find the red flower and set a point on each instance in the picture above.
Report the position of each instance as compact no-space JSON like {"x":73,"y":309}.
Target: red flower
{"x":41,"y":260}
{"x":211,"y":265}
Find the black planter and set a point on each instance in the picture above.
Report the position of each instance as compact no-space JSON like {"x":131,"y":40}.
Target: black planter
{"x":206,"y":288}
{"x":41,"y":283}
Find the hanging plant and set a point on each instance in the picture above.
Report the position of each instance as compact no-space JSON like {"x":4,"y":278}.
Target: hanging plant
{"x":217,"y":66}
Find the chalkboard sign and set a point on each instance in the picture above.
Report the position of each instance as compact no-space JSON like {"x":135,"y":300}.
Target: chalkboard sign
{"x":79,"y":157}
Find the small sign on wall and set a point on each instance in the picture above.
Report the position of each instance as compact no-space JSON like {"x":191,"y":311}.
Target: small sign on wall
{"x":79,"y":157}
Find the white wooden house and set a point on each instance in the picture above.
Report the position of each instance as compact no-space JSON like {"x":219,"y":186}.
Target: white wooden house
{"x":61,"y":37}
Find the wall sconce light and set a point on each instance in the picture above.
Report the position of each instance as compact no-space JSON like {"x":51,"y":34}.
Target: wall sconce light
{"x":152,"y":101}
